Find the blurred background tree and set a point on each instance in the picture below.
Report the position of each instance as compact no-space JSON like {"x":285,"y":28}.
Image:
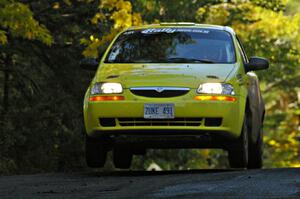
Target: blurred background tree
{"x":42,"y":42}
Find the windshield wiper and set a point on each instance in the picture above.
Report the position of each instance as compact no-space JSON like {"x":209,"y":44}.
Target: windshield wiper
{"x":186,"y":60}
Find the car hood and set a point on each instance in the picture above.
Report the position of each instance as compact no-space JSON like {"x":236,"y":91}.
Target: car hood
{"x":179,"y":75}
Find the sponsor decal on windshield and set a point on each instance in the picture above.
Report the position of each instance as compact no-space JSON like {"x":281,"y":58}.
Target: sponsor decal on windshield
{"x":129,"y":32}
{"x":167,"y":30}
{"x":172,"y":30}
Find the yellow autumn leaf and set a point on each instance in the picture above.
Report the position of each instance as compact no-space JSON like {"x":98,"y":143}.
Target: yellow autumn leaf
{"x":84,"y":41}
{"x":68,"y":2}
{"x":272,"y":142}
{"x":92,"y":38}
{"x":124,"y":5}
{"x":3,"y":37}
{"x":97,"y":18}
{"x":122,"y":17}
{"x":56,"y":5}
{"x":110,"y":4}
{"x":136,"y":19}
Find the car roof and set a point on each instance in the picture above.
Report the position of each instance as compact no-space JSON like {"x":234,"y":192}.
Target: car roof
{"x":183,"y":25}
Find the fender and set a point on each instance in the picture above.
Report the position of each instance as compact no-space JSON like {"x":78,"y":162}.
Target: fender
{"x":255,"y":106}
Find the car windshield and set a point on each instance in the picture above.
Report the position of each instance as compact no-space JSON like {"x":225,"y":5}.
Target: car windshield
{"x":172,"y":45}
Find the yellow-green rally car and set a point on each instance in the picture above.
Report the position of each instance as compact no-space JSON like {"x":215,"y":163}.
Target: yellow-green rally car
{"x":174,"y":85}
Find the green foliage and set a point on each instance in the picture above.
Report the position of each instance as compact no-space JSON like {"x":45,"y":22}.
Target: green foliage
{"x":42,"y":127}
{"x":264,"y":32}
{"x":184,"y":159}
{"x":275,"y":5}
{"x":293,"y":7}
{"x":17,"y":19}
{"x":120,"y":14}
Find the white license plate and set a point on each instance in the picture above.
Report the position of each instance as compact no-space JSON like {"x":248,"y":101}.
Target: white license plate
{"x":159,"y":111}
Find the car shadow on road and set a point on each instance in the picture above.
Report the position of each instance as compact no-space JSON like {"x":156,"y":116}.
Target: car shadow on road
{"x":127,"y":173}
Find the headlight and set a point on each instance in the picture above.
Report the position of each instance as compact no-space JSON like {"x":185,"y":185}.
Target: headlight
{"x":216,"y":88}
{"x":106,"y":88}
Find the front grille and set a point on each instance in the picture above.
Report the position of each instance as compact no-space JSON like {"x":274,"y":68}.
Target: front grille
{"x":209,"y":122}
{"x":159,"y":92}
{"x":160,"y":122}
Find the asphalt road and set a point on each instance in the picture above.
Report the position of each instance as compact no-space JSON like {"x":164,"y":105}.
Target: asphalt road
{"x":268,"y":183}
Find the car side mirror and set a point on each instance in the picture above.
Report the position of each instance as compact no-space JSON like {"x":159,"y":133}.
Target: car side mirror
{"x":256,"y":63}
{"x":89,"y":64}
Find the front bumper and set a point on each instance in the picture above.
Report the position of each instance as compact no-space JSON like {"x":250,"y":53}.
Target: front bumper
{"x":231,"y":114}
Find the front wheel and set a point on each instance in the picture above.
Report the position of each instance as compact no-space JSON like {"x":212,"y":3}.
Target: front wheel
{"x":238,"y":155}
{"x":122,"y":157}
{"x":256,"y":152}
{"x":95,"y":152}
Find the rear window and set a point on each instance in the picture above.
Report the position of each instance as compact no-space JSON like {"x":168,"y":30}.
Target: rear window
{"x":172,"y":45}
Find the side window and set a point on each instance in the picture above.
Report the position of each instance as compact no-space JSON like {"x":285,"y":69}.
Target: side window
{"x":242,"y":51}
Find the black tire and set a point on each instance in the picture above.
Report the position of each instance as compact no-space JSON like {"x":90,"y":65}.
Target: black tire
{"x":238,"y":154}
{"x":122,"y":157}
{"x":95,"y":152}
{"x":256,"y":152}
